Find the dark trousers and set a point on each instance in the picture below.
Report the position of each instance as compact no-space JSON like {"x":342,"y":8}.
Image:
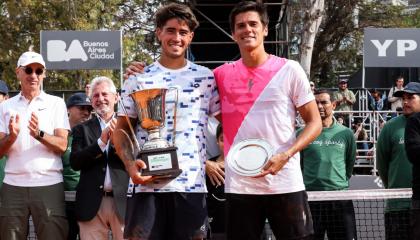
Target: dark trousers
{"x":336,"y":218}
{"x":415,"y":219}
{"x":71,"y":218}
{"x":45,"y":204}
{"x":397,"y":225}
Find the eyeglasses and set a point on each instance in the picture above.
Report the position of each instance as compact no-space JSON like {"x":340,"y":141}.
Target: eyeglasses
{"x":29,"y":71}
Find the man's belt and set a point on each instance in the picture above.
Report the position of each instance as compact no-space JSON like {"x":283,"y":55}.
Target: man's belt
{"x":108,"y":194}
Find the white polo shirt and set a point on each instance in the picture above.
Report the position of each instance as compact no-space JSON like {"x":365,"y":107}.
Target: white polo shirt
{"x":29,"y":162}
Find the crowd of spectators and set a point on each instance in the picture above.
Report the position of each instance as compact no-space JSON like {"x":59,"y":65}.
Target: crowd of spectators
{"x":382,"y":105}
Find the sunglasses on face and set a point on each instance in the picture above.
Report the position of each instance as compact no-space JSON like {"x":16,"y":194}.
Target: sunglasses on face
{"x":85,"y":107}
{"x":29,"y":71}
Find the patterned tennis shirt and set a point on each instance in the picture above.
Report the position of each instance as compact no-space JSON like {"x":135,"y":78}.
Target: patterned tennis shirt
{"x":197,"y":100}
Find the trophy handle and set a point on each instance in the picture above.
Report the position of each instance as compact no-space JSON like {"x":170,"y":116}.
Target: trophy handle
{"x":125,"y":148}
{"x":137,"y":145}
{"x":175,"y":110}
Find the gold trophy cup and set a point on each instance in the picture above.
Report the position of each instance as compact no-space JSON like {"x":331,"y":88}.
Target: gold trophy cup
{"x":160,"y":156}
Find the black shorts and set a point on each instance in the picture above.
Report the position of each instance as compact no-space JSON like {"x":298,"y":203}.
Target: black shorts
{"x":288,"y":214}
{"x":166,"y":216}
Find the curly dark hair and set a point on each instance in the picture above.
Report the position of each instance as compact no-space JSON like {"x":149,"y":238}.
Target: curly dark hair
{"x":178,"y":11}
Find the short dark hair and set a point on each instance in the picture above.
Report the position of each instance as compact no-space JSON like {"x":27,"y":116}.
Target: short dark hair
{"x":321,"y":91}
{"x":339,"y":116}
{"x":376,"y":91}
{"x":399,"y":77}
{"x":247,"y":6}
{"x":178,"y":11}
{"x":219,"y":131}
{"x":329,"y":93}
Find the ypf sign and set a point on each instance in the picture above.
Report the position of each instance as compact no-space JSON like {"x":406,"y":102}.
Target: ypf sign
{"x":391,"y":47}
{"x":81,"y":49}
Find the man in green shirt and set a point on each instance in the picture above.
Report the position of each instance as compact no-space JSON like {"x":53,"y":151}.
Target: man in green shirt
{"x":344,"y":99}
{"x":393,"y":165}
{"x":79,"y":109}
{"x":4,"y":94}
{"x":327,"y":166}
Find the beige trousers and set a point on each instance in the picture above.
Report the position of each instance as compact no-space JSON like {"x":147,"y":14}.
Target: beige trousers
{"x":106,"y":219}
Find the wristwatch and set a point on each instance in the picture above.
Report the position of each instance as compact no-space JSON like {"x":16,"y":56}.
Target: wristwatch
{"x":40,"y":134}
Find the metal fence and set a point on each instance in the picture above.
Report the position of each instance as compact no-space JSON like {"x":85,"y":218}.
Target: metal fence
{"x":371,"y":122}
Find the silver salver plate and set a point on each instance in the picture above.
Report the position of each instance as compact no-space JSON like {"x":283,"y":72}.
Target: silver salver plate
{"x":248,"y":157}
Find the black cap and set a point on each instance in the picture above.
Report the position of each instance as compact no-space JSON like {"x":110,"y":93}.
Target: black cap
{"x":411,"y":88}
{"x":343,"y":80}
{"x":78,"y":99}
{"x":3,"y":88}
{"x":375,"y":90}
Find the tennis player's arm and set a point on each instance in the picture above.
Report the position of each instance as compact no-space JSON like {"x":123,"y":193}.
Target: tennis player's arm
{"x":313,"y":127}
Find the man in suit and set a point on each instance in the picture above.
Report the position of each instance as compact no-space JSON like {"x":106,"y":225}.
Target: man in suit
{"x":101,"y":192}
{"x":79,"y":110}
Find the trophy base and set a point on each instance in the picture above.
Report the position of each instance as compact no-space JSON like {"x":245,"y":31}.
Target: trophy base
{"x":160,"y":162}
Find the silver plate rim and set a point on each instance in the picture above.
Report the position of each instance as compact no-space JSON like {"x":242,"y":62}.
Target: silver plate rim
{"x":232,"y":163}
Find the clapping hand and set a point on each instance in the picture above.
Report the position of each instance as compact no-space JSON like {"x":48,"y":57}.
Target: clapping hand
{"x":34,"y":126}
{"x":107,"y":132}
{"x":14,"y":127}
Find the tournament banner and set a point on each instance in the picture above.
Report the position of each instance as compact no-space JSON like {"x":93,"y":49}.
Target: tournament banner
{"x":391,"y":47}
{"x":66,"y":50}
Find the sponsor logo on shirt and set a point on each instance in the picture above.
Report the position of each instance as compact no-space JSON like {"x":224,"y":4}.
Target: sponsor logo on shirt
{"x":401,"y":140}
{"x":328,"y":143}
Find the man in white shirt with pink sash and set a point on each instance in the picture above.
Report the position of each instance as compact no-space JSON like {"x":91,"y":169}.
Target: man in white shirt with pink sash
{"x":259,"y":96}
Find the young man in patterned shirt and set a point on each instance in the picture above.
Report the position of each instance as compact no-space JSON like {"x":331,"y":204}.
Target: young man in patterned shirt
{"x":172,"y":208}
